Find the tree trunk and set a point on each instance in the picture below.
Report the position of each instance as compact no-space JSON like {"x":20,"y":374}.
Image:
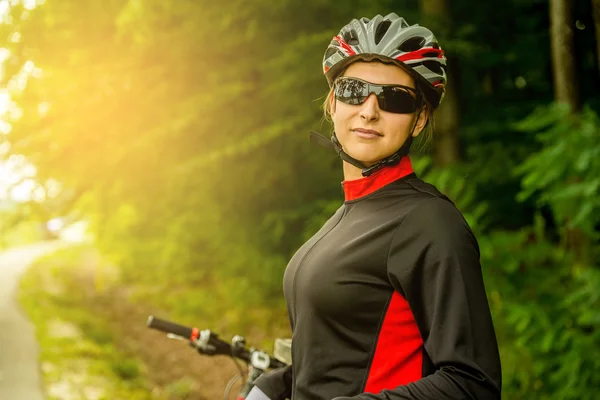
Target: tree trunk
{"x":596,"y":15}
{"x":566,"y":88}
{"x":447,"y":145}
{"x":566,"y":91}
{"x":435,"y":15}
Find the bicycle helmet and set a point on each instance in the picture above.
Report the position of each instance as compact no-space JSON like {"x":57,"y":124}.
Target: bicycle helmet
{"x":390,"y":40}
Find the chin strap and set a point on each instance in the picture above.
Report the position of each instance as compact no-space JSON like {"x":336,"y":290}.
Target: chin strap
{"x":334,"y":144}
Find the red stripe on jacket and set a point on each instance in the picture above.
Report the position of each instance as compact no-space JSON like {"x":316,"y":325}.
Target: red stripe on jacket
{"x":398,"y":358}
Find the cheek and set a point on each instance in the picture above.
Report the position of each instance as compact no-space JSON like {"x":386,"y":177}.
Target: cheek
{"x":402,"y":124}
{"x":342,"y":116}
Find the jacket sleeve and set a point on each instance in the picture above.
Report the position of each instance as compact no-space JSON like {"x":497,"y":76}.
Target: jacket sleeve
{"x":434,"y":263}
{"x":276,"y":384}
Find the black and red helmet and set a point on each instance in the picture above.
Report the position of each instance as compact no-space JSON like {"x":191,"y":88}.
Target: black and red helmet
{"x":390,"y":39}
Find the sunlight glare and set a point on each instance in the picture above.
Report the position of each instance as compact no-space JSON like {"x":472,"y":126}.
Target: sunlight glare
{"x":17,"y":178}
{"x":15,"y":37}
{"x":31,"y":4}
{"x":4,"y":148}
{"x":23,"y":192}
{"x":5,"y":101}
{"x":43,"y":108}
{"x":4,"y":7}
{"x":5,"y":129}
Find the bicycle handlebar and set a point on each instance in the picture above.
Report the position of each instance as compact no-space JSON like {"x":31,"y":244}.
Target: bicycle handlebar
{"x":170,"y":327}
{"x":208,"y":343}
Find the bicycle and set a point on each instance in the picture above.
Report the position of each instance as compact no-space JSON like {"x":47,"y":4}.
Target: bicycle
{"x":208,"y":343}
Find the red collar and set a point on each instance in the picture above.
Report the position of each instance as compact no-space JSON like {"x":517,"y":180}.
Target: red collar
{"x":361,"y":187}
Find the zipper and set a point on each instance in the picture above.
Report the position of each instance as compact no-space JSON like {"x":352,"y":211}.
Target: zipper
{"x":300,"y":263}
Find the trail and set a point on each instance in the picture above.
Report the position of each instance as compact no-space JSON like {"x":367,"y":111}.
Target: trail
{"x":20,"y":376}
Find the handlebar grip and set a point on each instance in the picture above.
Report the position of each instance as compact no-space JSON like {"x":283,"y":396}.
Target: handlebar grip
{"x":170,"y":327}
{"x":276,"y":364}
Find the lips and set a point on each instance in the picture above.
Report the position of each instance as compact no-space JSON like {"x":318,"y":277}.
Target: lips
{"x":367,"y":133}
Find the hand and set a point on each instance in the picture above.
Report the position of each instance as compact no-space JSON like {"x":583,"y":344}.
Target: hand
{"x":257,"y":394}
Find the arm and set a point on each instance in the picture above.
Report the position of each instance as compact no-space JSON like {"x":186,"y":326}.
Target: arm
{"x":434,"y":263}
{"x":276,"y":384}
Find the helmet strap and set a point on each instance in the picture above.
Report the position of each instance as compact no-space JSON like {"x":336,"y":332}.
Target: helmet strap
{"x":393,"y":159}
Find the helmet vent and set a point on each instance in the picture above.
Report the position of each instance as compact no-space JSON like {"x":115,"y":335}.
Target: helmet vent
{"x":434,"y":67}
{"x":381,"y":30}
{"x":351,"y":37}
{"x":330,"y":51}
{"x":430,"y":54}
{"x":412,"y":44}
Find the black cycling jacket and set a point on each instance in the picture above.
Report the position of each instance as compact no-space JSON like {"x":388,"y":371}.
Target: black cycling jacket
{"x":387,"y":301}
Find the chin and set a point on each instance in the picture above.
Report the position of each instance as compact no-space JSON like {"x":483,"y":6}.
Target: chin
{"x":366,"y":156}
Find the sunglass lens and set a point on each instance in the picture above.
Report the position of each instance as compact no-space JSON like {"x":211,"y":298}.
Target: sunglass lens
{"x":397,"y":100}
{"x":351,"y":91}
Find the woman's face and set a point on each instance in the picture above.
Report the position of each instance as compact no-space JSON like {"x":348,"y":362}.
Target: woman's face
{"x":366,"y":132}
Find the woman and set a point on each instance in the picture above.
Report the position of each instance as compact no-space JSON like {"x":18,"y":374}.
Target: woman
{"x":387,"y":300}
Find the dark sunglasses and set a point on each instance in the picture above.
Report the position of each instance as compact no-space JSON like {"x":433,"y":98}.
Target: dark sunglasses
{"x":397,"y":99}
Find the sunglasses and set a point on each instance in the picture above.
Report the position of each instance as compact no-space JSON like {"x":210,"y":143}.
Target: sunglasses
{"x":397,"y":99}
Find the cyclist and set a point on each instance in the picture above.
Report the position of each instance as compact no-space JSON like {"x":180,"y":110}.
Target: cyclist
{"x":387,"y":300}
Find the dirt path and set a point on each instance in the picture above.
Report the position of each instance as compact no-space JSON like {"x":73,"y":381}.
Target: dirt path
{"x":19,"y":369}
{"x":171,"y":368}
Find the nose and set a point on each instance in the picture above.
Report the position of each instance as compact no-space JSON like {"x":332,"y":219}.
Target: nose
{"x":369,"y":110}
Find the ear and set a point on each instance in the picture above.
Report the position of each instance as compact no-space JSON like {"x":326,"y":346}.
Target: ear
{"x":422,"y":121}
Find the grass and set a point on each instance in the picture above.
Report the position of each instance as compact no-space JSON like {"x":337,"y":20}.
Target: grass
{"x":77,"y":353}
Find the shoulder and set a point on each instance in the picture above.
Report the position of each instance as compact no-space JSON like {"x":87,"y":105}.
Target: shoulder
{"x":415,"y":189}
{"x":437,"y":213}
{"x":433,"y":233}
{"x":427,"y":189}
{"x":435,"y":219}
{"x":428,"y":200}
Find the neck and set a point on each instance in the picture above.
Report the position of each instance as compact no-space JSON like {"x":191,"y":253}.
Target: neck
{"x":356,"y":186}
{"x":351,"y":172}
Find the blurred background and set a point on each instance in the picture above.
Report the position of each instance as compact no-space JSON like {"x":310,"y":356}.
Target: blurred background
{"x":168,"y":143}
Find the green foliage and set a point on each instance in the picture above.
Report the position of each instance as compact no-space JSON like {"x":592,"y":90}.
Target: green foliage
{"x":546,"y":315}
{"x":180,"y":389}
{"x":544,"y":284}
{"x":565,"y":172}
{"x":126,"y":368}
{"x":454,"y":181}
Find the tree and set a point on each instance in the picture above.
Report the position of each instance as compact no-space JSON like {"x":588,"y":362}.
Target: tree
{"x":596,"y":15}
{"x":447,"y":146}
{"x":566,"y":86}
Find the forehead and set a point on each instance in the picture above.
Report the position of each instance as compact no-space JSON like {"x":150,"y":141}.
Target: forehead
{"x":377,"y":72}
